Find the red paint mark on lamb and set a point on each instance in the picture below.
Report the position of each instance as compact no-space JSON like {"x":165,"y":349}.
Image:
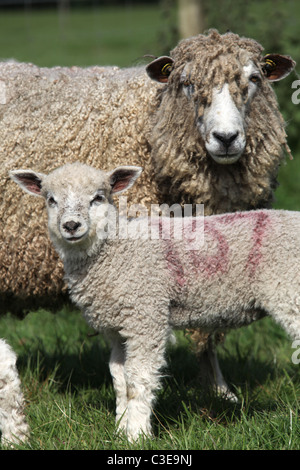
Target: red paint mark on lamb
{"x":261,"y":222}
{"x":217,"y":262}
{"x":259,"y":230}
{"x":172,"y":256}
{"x":174,"y":263}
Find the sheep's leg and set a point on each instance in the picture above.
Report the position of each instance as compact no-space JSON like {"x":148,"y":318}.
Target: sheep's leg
{"x":12,"y":419}
{"x":219,"y":383}
{"x":144,"y":359}
{"x":116,"y":366}
{"x":209,"y":369}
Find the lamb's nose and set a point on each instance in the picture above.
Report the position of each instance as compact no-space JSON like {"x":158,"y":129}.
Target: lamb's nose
{"x":71,"y":226}
{"x":226,"y":138}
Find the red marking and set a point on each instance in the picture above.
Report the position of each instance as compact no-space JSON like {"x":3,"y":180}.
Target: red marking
{"x":218,"y":262}
{"x":172,"y":257}
{"x":258,"y":233}
{"x":173,"y":263}
{"x":214,"y":263}
{"x":260,"y":220}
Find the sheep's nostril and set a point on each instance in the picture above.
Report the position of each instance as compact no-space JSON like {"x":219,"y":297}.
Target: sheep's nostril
{"x":226,"y":138}
{"x":71,"y":226}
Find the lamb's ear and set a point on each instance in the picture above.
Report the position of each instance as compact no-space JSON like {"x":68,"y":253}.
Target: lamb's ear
{"x":276,"y":66}
{"x":28,"y":180}
{"x":123,"y":177}
{"x":160,"y":69}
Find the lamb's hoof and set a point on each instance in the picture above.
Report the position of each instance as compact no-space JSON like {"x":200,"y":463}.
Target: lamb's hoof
{"x":12,"y":440}
{"x":135,"y":436}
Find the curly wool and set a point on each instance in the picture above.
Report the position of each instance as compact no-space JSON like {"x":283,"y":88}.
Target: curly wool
{"x":105,"y":116}
{"x":53,"y":116}
{"x":183,"y":170}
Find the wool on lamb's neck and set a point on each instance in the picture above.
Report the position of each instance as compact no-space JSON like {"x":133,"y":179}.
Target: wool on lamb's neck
{"x":75,"y":256}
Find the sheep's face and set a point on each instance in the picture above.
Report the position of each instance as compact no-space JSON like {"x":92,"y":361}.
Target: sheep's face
{"x":219,"y":110}
{"x":215,"y":80}
{"x":222,"y":124}
{"x":79,"y":202}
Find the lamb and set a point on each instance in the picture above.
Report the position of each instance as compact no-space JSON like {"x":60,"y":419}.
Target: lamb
{"x":13,"y":424}
{"x":137,"y":288}
{"x":205,"y":127}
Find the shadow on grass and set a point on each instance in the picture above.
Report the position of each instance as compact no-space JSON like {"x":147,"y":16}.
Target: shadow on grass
{"x":184,"y":387}
{"x":85,"y":372}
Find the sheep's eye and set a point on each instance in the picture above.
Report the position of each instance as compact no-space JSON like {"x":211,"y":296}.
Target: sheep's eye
{"x":187,"y":87}
{"x":51,"y":201}
{"x":98,"y":199}
{"x":254,"y":78}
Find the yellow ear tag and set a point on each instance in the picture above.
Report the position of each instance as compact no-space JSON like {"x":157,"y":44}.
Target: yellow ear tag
{"x":166,"y":70}
{"x":271,"y":63}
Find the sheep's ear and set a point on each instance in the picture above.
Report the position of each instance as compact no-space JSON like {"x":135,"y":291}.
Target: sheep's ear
{"x":28,"y":180}
{"x":276,"y":66}
{"x":123,"y":177}
{"x":160,"y":69}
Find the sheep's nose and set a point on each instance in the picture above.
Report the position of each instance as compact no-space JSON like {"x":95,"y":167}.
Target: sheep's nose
{"x":71,"y":226}
{"x":226,"y":138}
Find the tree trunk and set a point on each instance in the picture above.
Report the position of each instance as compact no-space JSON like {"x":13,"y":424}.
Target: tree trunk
{"x":190,"y":18}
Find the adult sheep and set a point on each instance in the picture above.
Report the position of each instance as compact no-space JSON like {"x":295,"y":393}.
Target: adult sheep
{"x":206,"y":129}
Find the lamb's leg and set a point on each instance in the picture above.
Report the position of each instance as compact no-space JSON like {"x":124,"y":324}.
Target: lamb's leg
{"x":116,"y":366}
{"x":12,"y":419}
{"x":144,"y":359}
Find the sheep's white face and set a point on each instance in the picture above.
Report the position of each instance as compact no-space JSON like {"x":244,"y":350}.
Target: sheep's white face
{"x":222,"y":125}
{"x":217,"y":76}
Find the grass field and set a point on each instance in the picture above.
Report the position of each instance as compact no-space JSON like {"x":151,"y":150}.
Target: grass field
{"x":64,"y":370}
{"x":71,"y":401}
{"x":105,"y":36}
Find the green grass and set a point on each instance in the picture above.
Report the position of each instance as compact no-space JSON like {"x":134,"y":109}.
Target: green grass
{"x":71,"y":402}
{"x":64,"y":371}
{"x":105,"y":36}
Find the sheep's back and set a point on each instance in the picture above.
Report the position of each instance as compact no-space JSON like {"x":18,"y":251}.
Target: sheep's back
{"x":51,"y":116}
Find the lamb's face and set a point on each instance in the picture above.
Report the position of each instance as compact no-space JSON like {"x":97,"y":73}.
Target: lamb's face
{"x":78,"y":205}
{"x":75,"y":214}
{"x":79,"y":202}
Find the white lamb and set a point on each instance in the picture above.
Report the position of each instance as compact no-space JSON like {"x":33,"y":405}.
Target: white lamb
{"x":13,"y":425}
{"x":138,"y":289}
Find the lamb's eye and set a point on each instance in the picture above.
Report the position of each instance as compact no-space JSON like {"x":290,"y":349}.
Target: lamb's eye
{"x":186,"y":83}
{"x":51,"y":201}
{"x":98,"y":199}
{"x":254,"y":78}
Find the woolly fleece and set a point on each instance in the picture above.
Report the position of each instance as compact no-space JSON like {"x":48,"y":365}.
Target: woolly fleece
{"x":106,"y":116}
{"x":137,"y":290}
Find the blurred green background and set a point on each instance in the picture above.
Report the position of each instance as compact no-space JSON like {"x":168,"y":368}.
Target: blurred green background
{"x":108,"y":32}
